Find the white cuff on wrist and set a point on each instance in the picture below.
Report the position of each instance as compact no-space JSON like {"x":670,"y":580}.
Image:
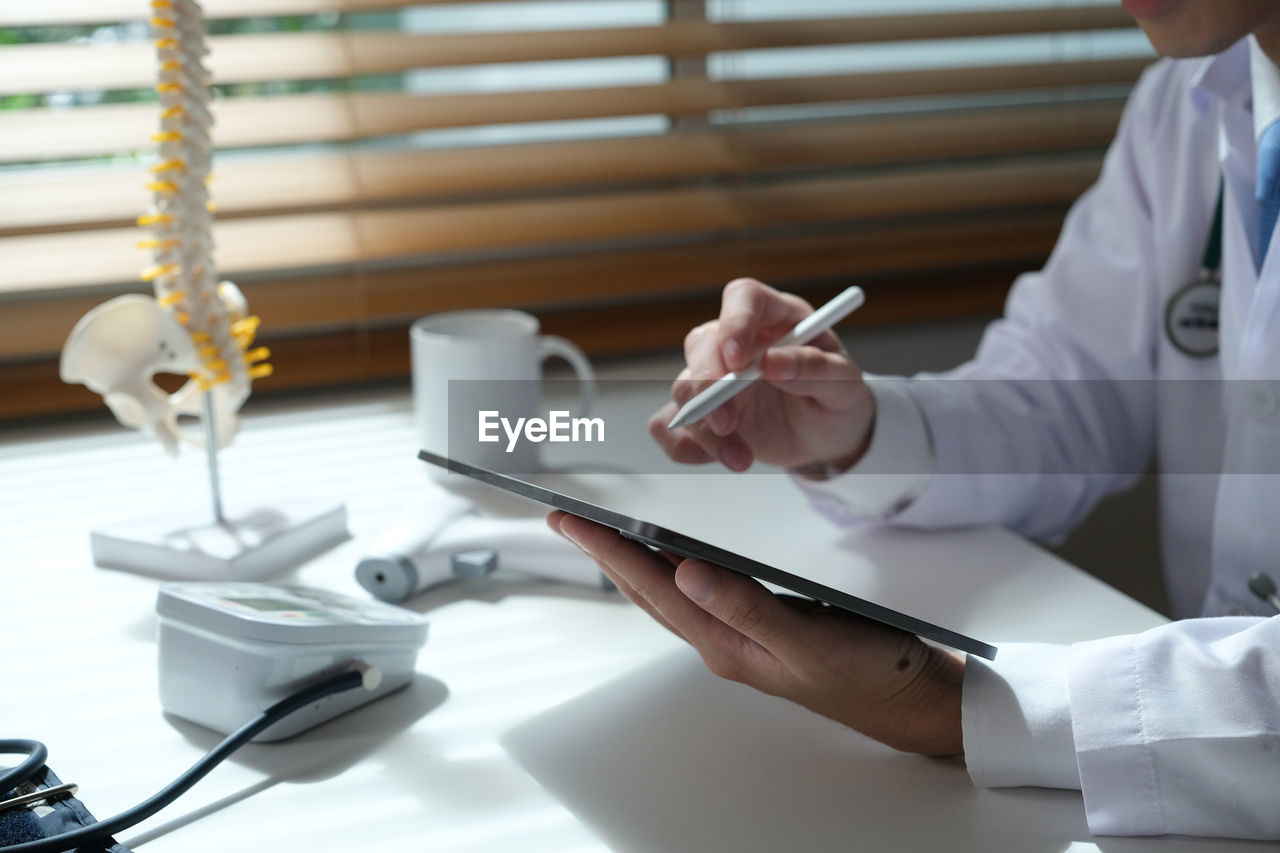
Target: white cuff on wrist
{"x":893,"y":472}
{"x":1016,"y":715}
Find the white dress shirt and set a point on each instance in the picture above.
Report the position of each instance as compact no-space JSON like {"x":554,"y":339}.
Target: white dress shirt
{"x":1176,"y":730}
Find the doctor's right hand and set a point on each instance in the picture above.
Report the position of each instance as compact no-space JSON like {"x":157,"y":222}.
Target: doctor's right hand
{"x":811,"y":407}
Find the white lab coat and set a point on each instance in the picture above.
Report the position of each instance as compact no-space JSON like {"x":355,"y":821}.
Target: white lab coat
{"x":1176,"y":730}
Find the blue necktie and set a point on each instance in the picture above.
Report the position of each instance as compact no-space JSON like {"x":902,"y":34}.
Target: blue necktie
{"x":1268,"y":186}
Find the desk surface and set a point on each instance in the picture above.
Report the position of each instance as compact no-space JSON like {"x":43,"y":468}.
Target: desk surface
{"x":542,"y":717}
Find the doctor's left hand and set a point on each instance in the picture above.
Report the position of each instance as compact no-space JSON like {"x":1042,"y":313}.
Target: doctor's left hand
{"x":883,"y":682}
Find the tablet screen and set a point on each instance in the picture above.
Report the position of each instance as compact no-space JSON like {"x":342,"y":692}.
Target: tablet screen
{"x":687,"y":546}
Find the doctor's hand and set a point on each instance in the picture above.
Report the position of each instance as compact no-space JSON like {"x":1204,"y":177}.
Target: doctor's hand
{"x":878,"y":680}
{"x":810,"y":407}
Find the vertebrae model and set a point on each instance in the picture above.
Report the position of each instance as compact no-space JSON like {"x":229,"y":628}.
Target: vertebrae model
{"x":195,"y":325}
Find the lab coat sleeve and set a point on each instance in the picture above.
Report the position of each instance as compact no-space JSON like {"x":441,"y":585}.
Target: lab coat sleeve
{"x":1057,"y":408}
{"x":1174,"y":731}
{"x":894,"y":470}
{"x":1016,"y":717}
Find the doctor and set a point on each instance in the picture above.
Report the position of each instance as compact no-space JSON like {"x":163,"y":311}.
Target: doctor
{"x":1176,"y":730}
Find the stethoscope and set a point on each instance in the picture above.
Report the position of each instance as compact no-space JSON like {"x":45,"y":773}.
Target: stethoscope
{"x":1261,"y":585}
{"x":1191,"y":315}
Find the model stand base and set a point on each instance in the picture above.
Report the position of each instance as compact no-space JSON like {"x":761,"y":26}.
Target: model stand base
{"x":245,"y":544}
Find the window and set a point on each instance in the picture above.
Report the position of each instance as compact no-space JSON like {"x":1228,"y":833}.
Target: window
{"x":377,"y":161}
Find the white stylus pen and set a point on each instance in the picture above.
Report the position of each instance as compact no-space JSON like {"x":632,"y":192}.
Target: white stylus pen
{"x":731,"y":384}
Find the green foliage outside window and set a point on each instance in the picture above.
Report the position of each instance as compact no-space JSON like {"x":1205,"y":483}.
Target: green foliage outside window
{"x":135,"y":30}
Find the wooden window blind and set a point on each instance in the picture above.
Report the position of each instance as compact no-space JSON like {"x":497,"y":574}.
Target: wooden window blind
{"x":378,"y":161}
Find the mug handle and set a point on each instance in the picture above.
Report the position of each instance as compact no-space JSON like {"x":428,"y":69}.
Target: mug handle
{"x":554,"y":345}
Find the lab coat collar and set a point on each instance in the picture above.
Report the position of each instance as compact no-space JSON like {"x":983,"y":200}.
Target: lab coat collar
{"x":1266,"y":88}
{"x":1222,"y":77}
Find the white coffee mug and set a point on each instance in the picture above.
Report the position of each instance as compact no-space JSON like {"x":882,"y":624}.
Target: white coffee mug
{"x":494,"y":360}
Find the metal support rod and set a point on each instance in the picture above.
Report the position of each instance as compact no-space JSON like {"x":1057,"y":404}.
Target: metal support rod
{"x":688,"y":67}
{"x":211,"y":452}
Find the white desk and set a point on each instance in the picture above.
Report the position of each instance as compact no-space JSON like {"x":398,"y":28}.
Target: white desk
{"x":542,"y":717}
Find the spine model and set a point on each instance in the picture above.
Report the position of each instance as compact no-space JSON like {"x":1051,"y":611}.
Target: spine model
{"x":181,"y":215}
{"x":195,"y":325}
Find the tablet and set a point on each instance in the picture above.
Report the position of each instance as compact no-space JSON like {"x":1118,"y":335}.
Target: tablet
{"x":687,"y":546}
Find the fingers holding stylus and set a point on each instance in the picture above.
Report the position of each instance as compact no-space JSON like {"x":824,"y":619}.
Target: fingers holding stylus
{"x":703,"y":365}
{"x":720,"y":421}
{"x":709,"y":440}
{"x":753,"y":315}
{"x":679,"y":444}
{"x":830,"y":379}
{"x":706,"y":345}
{"x":697,"y":443}
{"x":721,"y":413}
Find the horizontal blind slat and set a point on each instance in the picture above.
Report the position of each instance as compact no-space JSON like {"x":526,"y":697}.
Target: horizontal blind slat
{"x":292,"y":304}
{"x":311,"y":55}
{"x":27,"y":13}
{"x":103,"y":196}
{"x":328,"y":356}
{"x":875,"y":29}
{"x":261,"y":121}
{"x":317,"y":239}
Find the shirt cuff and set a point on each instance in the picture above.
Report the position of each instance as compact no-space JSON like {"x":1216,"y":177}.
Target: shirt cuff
{"x":894,"y":471}
{"x":1016,"y":715}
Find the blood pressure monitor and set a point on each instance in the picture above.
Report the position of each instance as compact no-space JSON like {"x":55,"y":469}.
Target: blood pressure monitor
{"x":230,"y":650}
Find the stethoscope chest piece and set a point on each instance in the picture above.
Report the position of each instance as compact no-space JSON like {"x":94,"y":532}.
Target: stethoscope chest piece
{"x":1191,"y":316}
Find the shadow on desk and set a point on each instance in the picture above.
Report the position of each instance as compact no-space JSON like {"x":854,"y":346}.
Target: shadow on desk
{"x":332,"y":747}
{"x":501,"y":585}
{"x":673,"y":759}
{"x":317,"y":754}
